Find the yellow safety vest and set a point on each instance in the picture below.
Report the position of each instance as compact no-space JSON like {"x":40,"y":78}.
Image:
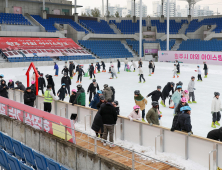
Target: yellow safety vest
{"x":47,"y":96}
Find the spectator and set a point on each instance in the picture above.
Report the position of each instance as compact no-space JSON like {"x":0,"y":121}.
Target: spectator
{"x":29,"y":97}
{"x":141,"y":102}
{"x":80,"y":96}
{"x":56,"y":67}
{"x":3,"y":89}
{"x":73,"y":96}
{"x":41,"y":83}
{"x":152,"y":116}
{"x":20,"y":86}
{"x":33,"y":87}
{"x":92,"y":89}
{"x":215,"y":134}
{"x":102,"y":101}
{"x":107,"y":92}
{"x":51,"y":82}
{"x":11,"y":84}
{"x":67,"y":81}
{"x":97,"y":125}
{"x":113,"y":90}
{"x":48,"y":98}
{"x":96,"y":100}
{"x":116,"y":105}
{"x":135,"y":114}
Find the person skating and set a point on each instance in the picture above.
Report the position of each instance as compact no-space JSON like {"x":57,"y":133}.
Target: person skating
{"x":215,"y":134}
{"x":104,"y":66}
{"x":134,"y":65}
{"x":113,"y":72}
{"x":73,"y":96}
{"x":101,"y":101}
{"x":176,"y":97}
{"x":153,"y":69}
{"x":118,"y":66}
{"x":116,"y":105}
{"x":141,"y":102}
{"x":48,"y":98}
{"x":150,"y":66}
{"x":175,"y":71}
{"x":20,"y":86}
{"x":66,"y":64}
{"x":91,"y":71}
{"x":166,"y":91}
{"x":37,"y":71}
{"x":50,"y":82}
{"x":152,"y":115}
{"x":141,"y":75}
{"x":80,"y":74}
{"x":67,"y":81}
{"x":29,"y":97}
{"x":140,"y":63}
{"x":191,"y":88}
{"x":107,"y":92}
{"x":41,"y":83}
{"x":126,"y":63}
{"x":178,"y":67}
{"x":98,"y":66}
{"x":3,"y":89}
{"x":135,"y":114}
{"x":215,"y":110}
{"x":11,"y":84}
{"x":56,"y":67}
{"x":92,"y":89}
{"x":77,"y":68}
{"x":113,"y":95}
{"x":65,"y":70}
{"x":180,"y":83}
{"x":71,"y":68}
{"x":33,"y":88}
{"x":80,"y":96}
{"x":156,"y":95}
{"x":205,"y":69}
{"x":199,"y":73}
{"x":110,"y":65}
{"x":96,"y":100}
{"x":62,"y":92}
{"x":185,"y":94}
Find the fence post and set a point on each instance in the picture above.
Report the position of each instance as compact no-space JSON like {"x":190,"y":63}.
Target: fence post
{"x":133,"y":159}
{"x":91,"y":120}
{"x":161,"y":140}
{"x":67,"y":111}
{"x":23,"y":114}
{"x":95,"y":145}
{"x":55,"y":107}
{"x":78,"y":115}
{"x":122,"y":128}
{"x":21,"y":94}
{"x":186,"y":148}
{"x":141,"y":133}
{"x":42,"y":124}
{"x":37,"y":102}
{"x":14,"y":95}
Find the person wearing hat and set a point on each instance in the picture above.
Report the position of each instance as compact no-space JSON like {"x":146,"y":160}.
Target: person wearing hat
{"x":166,"y":92}
{"x":11,"y":84}
{"x":215,"y":110}
{"x":150,"y":66}
{"x":41,"y":83}
{"x":104,"y":66}
{"x":107,"y":92}
{"x":178,"y":67}
{"x":48,"y":98}
{"x":29,"y":97}
{"x":135,"y":114}
{"x":67,"y":81}
{"x":176,"y":97}
{"x":205,"y":69}
{"x":199,"y":74}
{"x":141,"y":102}
{"x":1,"y":77}
{"x":140,"y":63}
{"x":114,"y":92}
{"x":95,"y":101}
{"x":80,"y":74}
{"x":62,"y":92}
{"x":152,"y":116}
{"x":175,"y":71}
{"x":184,"y":121}
{"x":113,"y":72}
{"x":118,"y":65}
{"x":134,"y":65}
{"x":73,"y":96}
{"x":191,"y":88}
{"x":56,"y":67}
{"x":116,"y":105}
{"x":101,"y":101}
{"x":3,"y":89}
{"x":51,"y":82}
{"x":98,"y":66}
{"x":80,"y":96}
{"x":33,"y":87}
{"x":156,"y":95}
{"x":215,"y":134}
{"x":71,"y":68}
{"x":65,"y":70}
{"x":92,"y":89}
{"x":37,"y":70}
{"x":20,"y":86}
{"x":91,"y":71}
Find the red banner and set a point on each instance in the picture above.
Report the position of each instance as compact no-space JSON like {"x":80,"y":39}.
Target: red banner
{"x":37,"y":43}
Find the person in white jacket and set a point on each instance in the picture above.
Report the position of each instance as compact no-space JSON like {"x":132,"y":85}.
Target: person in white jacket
{"x":126,"y":63}
{"x":199,"y":74}
{"x":134,"y":65}
{"x":113,"y":72}
{"x":135,"y":114}
{"x":191,"y":88}
{"x":153,"y":67}
{"x":215,"y":110}
{"x":175,"y":71}
{"x":33,"y":77}
{"x":141,"y":75}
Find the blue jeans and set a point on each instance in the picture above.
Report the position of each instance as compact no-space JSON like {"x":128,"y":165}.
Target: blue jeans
{"x":125,"y":67}
{"x":175,"y":105}
{"x":118,"y":69}
{"x":57,"y":72}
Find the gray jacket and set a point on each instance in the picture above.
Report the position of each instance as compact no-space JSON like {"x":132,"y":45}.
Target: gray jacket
{"x":20,"y":86}
{"x":107,"y":93}
{"x":191,"y":86}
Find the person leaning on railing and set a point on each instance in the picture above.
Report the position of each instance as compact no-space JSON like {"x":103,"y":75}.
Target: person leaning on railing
{"x":29,"y":97}
{"x":20,"y":86}
{"x":215,"y":134}
{"x":3,"y":89}
{"x":152,"y":116}
{"x":48,"y":98}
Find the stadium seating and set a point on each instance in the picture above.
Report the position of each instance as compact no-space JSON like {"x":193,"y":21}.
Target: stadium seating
{"x":106,"y":49}
{"x":174,"y":26}
{"x":16,"y":156}
{"x":101,"y":27}
{"x":127,"y":26}
{"x":28,"y":59}
{"x":200,"y":45}
{"x":13,"y":19}
{"x":83,"y":57}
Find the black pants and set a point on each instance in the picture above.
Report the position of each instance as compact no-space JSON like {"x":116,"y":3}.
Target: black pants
{"x":143,"y":113}
{"x":199,"y":77}
{"x":104,"y":68}
{"x":91,"y":73}
{"x":178,"y":69}
{"x":47,"y":107}
{"x":153,"y":69}
{"x":141,"y":76}
{"x":91,"y":94}
{"x":79,"y":78}
{"x":70,"y":72}
{"x":164,"y":99}
{"x":68,"y":89}
{"x":61,"y":98}
{"x":53,"y":90}
{"x":98,"y":69}
{"x":42,"y":89}
{"x":216,"y":116}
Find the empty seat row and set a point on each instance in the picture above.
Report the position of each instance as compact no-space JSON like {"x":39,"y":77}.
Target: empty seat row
{"x":82,"y":57}
{"x":13,"y":19}
{"x":28,"y":59}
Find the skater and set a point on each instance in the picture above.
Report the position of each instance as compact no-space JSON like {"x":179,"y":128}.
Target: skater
{"x":77,"y":68}
{"x":199,"y":74}
{"x":67,"y":81}
{"x":110,"y":65}
{"x":80,"y":96}
{"x":215,"y":110}
{"x":33,"y":77}
{"x":215,"y":134}
{"x":56,"y":67}
{"x":29,"y":97}
{"x":62,"y":93}
{"x":176,"y":97}
{"x":98,"y":66}
{"x":166,"y":91}
{"x":183,"y":102}
{"x":33,"y":87}
{"x":140,"y":63}
{"x":51,"y":82}
{"x":113,"y":90}
{"x":178,"y":67}
{"x":66,"y":65}
{"x":48,"y":98}
{"x":41,"y":83}
{"x":205,"y":69}
{"x":91,"y":71}
{"x":191,"y":90}
{"x":101,"y":101}
{"x":20,"y":86}
{"x":95,"y":101}
{"x":116,"y":105}
{"x":80,"y":74}
{"x":109,"y":118}
{"x":73,"y":96}
{"x":3,"y":89}
{"x":152,"y":115}
{"x":92,"y":89}
{"x":186,"y":95}
{"x":153,"y":69}
{"x":113,"y":72}
{"x":65,"y":70}
{"x":37,"y":71}
{"x":184,"y":122}
{"x":118,"y":65}
{"x":71,"y":68}
{"x":156,"y":95}
{"x":135,"y":114}
{"x":107,"y":92}
{"x":141,"y":102}
{"x":11,"y":84}
{"x":180,"y":83}
{"x":141,"y":75}
{"x":97,"y":125}
{"x":175,"y":71}
{"x":134,"y":65}
{"x":150,"y":66}
{"x":126,"y":63}
{"x":104,"y":66}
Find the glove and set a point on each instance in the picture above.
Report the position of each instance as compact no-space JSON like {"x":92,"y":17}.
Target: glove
{"x":151,"y":124}
{"x":212,"y":112}
{"x":131,"y":119}
{"x":190,"y":133}
{"x":194,"y":88}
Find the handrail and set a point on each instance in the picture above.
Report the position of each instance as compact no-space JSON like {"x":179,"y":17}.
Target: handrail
{"x":215,"y":150}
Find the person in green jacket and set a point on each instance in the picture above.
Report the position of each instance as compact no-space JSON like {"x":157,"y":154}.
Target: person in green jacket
{"x":80,"y":96}
{"x":152,"y":116}
{"x":176,"y":97}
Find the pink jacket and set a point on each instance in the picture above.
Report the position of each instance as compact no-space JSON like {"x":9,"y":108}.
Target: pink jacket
{"x":134,"y":115}
{"x":186,"y":95}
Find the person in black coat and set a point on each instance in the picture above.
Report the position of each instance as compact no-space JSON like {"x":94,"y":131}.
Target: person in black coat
{"x":181,"y":104}
{"x":104,"y":66}
{"x":97,"y":124}
{"x":205,"y":69}
{"x":65,"y":70}
{"x":3,"y":89}
{"x":67,"y":81}
{"x":51,"y":82}
{"x":11,"y":84}
{"x":81,"y":72}
{"x":41,"y":83}
{"x":37,"y":70}
{"x":118,"y":65}
{"x":178,"y":67}
{"x":71,"y":68}
{"x":29,"y":97}
{"x":98,"y":66}
{"x":116,"y":105}
{"x":62,"y":93}
{"x":113,"y":90}
{"x":77,"y":68}
{"x":33,"y":88}
{"x":102,"y":101}
{"x":215,"y":134}
{"x":166,"y":91}
{"x":20,"y":86}
{"x":91,"y":71}
{"x":73,"y":96}
{"x":92,"y":89}
{"x":156,"y":94}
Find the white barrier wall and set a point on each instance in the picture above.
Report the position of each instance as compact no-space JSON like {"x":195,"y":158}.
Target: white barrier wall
{"x":192,"y":147}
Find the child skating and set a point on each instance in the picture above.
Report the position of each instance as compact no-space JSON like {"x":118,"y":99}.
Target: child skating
{"x":141,"y":75}
{"x":205,"y":69}
{"x":113,"y":72}
{"x":199,"y":73}
{"x":80,"y":74}
{"x":175,"y":71}
{"x":191,"y":89}
{"x":153,"y":69}
{"x":150,"y":68}
{"x":134,"y":65}
{"x":215,"y":110}
{"x":62,"y":92}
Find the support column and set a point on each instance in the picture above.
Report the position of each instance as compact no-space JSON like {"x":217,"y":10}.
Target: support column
{"x":107,"y":12}
{"x":76,"y":19}
{"x":134,"y":12}
{"x":141,"y":38}
{"x":44,"y":14}
{"x":189,"y":16}
{"x":168,"y":24}
{"x":103,"y":8}
{"x":6,"y":6}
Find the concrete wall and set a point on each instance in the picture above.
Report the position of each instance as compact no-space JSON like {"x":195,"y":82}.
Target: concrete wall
{"x":20,"y":28}
{"x":75,"y":35}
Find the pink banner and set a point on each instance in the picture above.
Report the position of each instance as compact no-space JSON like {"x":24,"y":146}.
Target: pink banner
{"x":193,"y":57}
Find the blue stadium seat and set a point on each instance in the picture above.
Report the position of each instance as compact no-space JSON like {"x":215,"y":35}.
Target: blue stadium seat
{"x":19,"y":152}
{"x":4,"y":159}
{"x":2,"y":143}
{"x":52,"y":165}
{"x":29,"y":156}
{"x":8,"y":143}
{"x":24,"y":167}
{"x":13,"y":19}
{"x":40,"y":161}
{"x":13,"y":163}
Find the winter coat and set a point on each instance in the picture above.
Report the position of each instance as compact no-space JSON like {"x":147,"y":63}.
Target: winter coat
{"x":80,"y":97}
{"x":29,"y":98}
{"x":103,"y":64}
{"x":11,"y":86}
{"x":126,"y":62}
{"x":155,"y":95}
{"x":98,"y":66}
{"x":167,"y":89}
{"x":134,"y":115}
{"x":41,"y":82}
{"x":150,"y":65}
{"x":62,"y":93}
{"x":117,"y":110}
{"x":56,"y":66}
{"x":113,"y":70}
{"x":92,"y":87}
{"x":77,"y":68}
{"x":176,"y":97}
{"x":99,"y":104}
{"x":71,"y":67}
{"x":178,"y":65}
{"x":33,"y":88}
{"x":20,"y":86}
{"x":107,"y":93}
{"x":108,"y":114}
{"x":65,"y":70}
{"x":140,"y":70}
{"x":50,"y":81}
{"x":97,"y":124}
{"x":113,"y":96}
{"x":72,"y":98}
{"x":205,"y":67}
{"x":33,"y":77}
{"x":153,"y":64}
{"x":140,"y":101}
{"x":186,"y":95}
{"x":175,"y":69}
{"x":191,"y":85}
{"x":152,"y":116}
{"x":118,"y":64}
{"x":215,"y":105}
{"x":3,"y":90}
{"x":66,"y":80}
{"x":133,"y":64}
{"x":177,"y":110}
{"x":175,"y":123}
{"x":215,"y":134}
{"x":140,"y":63}
{"x":199,"y":71}
{"x":80,"y":71}
{"x":184,"y":122}
{"x":91,"y":68}
{"x":94,"y":102}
